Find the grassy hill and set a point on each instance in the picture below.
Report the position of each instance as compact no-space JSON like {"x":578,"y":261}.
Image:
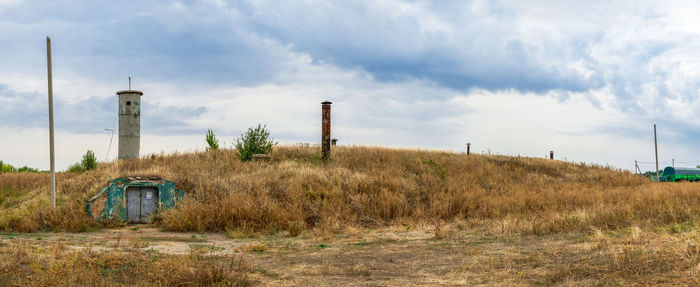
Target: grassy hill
{"x":363,"y":186}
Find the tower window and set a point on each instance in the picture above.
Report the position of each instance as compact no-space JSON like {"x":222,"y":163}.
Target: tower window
{"x":128,"y":103}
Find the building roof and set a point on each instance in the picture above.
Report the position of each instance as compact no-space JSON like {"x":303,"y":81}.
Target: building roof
{"x":129,"y":92}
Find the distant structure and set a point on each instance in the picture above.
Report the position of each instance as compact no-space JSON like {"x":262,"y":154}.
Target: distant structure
{"x":129,"y":123}
{"x":325,"y":130}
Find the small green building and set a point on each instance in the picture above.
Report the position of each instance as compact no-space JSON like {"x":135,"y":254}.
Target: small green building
{"x":135,"y":199}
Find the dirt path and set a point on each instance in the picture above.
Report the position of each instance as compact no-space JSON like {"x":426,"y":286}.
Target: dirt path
{"x":394,"y":256}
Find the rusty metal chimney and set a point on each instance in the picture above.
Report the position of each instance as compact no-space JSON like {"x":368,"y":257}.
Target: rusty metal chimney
{"x":468,"y":146}
{"x":551,"y":154}
{"x":326,"y":130}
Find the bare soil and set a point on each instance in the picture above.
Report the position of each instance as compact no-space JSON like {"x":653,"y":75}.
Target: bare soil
{"x":420,"y":255}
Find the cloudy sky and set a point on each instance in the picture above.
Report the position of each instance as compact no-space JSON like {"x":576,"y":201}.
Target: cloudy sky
{"x":586,"y":79}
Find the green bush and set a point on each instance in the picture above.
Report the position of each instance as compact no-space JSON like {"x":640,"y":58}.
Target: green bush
{"x":27,"y":169}
{"x":254,"y":141}
{"x":212,"y":141}
{"x":6,"y":167}
{"x":76,"y":167}
{"x":89,"y":162}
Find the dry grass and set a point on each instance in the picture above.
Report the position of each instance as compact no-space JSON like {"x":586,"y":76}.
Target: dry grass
{"x":366,"y":186}
{"x":23,"y":264}
{"x":386,"y":256}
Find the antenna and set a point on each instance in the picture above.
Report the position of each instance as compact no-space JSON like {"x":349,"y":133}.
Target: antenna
{"x":129,"y":83}
{"x":111,"y":131}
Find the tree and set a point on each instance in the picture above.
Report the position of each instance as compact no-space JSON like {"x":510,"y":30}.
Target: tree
{"x":254,"y":141}
{"x":212,"y":141}
{"x":89,"y":160}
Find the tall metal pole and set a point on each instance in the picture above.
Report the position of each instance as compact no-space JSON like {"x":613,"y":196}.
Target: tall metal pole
{"x":326,"y":130}
{"x":51,"y":146}
{"x":656,"y":153}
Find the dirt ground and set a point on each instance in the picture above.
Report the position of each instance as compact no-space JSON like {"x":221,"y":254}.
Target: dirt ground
{"x":414,"y":255}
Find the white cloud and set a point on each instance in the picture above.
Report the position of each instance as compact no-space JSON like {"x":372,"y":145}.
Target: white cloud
{"x":585,"y":79}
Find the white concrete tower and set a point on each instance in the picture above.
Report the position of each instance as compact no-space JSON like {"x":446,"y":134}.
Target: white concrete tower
{"x":129,"y":123}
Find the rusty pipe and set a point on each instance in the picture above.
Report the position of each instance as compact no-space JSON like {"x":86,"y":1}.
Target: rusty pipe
{"x":325,"y":130}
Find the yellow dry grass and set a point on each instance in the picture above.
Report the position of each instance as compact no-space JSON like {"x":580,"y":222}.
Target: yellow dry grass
{"x":365,"y":186}
{"x":26,"y":264}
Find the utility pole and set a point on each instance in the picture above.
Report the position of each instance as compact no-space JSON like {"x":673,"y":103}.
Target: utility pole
{"x":656,"y":154}
{"x":51,"y":145}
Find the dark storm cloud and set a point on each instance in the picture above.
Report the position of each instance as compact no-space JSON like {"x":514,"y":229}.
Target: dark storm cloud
{"x":460,"y":45}
{"x":561,"y":47}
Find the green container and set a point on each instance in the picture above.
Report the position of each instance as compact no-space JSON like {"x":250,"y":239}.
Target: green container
{"x":674,"y":174}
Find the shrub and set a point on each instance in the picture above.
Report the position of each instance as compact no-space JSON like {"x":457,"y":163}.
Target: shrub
{"x":27,"y":169}
{"x":295,"y":228}
{"x":212,"y":141}
{"x":76,"y":167}
{"x":6,"y":167}
{"x":254,"y":141}
{"x":89,"y":161}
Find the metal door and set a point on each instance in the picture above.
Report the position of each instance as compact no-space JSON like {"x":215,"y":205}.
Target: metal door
{"x":133,"y":204}
{"x":148,"y":202}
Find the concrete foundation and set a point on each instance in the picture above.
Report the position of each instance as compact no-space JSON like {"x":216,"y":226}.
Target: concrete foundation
{"x":129,"y":123}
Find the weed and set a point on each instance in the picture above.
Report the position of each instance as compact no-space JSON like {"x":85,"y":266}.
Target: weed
{"x":258,"y":248}
{"x":295,"y":228}
{"x":212,"y":141}
{"x":131,"y":268}
{"x":241,"y":232}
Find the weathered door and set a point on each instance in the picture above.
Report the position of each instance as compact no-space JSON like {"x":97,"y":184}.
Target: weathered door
{"x":141,"y":202}
{"x":148,"y":202}
{"x":133,"y":204}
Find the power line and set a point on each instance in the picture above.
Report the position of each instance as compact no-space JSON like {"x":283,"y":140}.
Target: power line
{"x":652,"y":162}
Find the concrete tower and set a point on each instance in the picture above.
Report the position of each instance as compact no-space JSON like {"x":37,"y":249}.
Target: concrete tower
{"x":129,"y":123}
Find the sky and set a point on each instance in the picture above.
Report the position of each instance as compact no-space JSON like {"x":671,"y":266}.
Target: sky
{"x":585,"y":79}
